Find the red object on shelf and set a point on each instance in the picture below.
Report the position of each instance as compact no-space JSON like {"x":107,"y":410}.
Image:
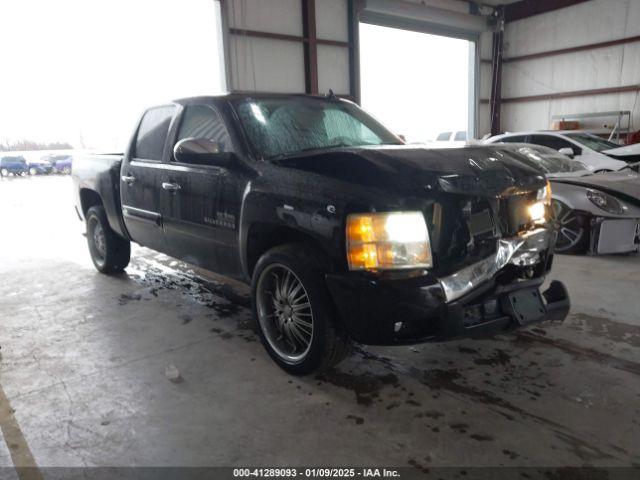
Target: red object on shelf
{"x":633,"y":138}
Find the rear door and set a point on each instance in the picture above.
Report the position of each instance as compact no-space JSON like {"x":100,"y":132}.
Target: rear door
{"x":197,"y":230}
{"x":141,"y":178}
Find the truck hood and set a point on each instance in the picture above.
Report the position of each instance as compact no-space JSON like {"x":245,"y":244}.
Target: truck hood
{"x":624,"y":184}
{"x":483,"y":171}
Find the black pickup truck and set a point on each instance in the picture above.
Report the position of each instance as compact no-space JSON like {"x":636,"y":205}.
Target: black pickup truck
{"x":345,"y":233}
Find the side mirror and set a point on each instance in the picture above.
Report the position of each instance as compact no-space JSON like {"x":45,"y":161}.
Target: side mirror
{"x":201,"y":151}
{"x":567,"y":151}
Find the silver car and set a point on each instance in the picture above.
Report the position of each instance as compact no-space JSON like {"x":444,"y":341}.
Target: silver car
{"x":593,"y":213}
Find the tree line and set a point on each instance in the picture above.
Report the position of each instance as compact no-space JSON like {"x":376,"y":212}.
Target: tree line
{"x":26,"y":145}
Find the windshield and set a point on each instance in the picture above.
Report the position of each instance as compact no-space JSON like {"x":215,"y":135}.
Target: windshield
{"x":550,"y":163}
{"x":591,"y":141}
{"x":277,"y":127}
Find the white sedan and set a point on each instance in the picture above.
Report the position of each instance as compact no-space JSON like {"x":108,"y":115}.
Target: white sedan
{"x":598,"y":154}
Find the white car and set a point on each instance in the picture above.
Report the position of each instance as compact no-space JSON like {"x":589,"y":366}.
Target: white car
{"x":595,"y":152}
{"x":451,"y":139}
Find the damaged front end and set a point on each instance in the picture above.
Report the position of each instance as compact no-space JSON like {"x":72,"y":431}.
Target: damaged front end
{"x":489,"y":262}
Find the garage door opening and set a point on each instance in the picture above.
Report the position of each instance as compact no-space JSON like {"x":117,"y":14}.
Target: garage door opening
{"x":418,"y":84}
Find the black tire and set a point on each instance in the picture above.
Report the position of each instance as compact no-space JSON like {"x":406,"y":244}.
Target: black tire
{"x":110,"y":252}
{"x":572,"y":234}
{"x":329,"y":343}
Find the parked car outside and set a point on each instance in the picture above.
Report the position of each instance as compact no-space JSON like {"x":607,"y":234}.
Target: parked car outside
{"x":597,"y":214}
{"x":344,"y":232}
{"x":39,"y":167}
{"x":13,"y":165}
{"x":61,"y":163}
{"x":451,"y":139}
{"x":598,"y":154}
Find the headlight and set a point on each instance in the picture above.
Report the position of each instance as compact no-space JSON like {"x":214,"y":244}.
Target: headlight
{"x":544,"y":194}
{"x":605,"y":202}
{"x":537,"y":211}
{"x":386,"y":241}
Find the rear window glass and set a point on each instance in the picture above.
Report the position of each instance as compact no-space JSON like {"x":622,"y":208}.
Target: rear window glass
{"x":461,"y":137}
{"x":152,"y":133}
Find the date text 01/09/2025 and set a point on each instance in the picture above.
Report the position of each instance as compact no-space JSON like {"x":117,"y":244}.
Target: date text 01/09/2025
{"x":316,"y":472}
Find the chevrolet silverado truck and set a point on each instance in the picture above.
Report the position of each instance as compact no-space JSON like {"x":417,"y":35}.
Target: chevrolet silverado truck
{"x":344,"y":232}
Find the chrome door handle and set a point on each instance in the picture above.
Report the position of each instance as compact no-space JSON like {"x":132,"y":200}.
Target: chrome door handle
{"x":172,"y":187}
{"x":128,"y":179}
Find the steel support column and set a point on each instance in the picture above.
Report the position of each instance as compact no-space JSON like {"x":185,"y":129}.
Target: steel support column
{"x":496,"y":79}
{"x":310,"y":46}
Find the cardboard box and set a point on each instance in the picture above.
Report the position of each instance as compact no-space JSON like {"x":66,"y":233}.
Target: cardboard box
{"x":565,"y":125}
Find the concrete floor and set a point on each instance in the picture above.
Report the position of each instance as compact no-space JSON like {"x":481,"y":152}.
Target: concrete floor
{"x":82,"y":374}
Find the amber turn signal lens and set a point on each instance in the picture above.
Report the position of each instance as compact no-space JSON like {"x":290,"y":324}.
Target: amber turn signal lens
{"x":380,"y":241}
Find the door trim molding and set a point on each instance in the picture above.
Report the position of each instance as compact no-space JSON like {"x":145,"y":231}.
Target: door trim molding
{"x":140,"y":214}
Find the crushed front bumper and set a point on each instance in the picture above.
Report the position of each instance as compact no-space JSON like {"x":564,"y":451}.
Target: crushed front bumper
{"x":395,"y":312}
{"x":474,"y":302}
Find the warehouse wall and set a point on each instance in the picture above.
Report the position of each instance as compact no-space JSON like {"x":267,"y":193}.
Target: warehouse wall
{"x":277,"y":64}
{"x":590,"y":22}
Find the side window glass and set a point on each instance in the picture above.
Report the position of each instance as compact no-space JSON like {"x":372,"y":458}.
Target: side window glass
{"x":202,"y":121}
{"x":443,"y":137}
{"x":514,"y":139}
{"x":152,"y":133}
{"x":461,"y":136}
{"x":554,"y":142}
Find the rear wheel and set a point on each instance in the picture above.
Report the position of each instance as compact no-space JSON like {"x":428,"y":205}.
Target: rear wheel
{"x":4,"y":172}
{"x":572,"y":235}
{"x":294,"y":312}
{"x":110,"y":252}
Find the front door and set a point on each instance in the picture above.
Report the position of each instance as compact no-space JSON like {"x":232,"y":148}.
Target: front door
{"x":196,"y":227}
{"x":141,"y":178}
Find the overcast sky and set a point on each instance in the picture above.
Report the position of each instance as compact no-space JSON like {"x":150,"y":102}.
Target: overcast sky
{"x":82,"y":71}
{"x":77,"y":70}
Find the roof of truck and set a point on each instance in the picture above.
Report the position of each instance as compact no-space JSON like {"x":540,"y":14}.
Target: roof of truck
{"x":242,"y":95}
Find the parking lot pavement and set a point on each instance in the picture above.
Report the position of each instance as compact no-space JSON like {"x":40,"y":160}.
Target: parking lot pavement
{"x":84,"y":360}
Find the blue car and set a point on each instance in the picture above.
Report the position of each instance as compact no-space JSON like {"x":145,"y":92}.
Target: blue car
{"x":39,"y":167}
{"x":13,"y":165}
{"x":60,"y":163}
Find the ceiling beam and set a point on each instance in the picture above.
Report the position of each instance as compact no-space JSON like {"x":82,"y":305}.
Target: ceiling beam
{"x":528,"y":8}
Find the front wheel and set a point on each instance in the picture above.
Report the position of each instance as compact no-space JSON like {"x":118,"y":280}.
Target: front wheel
{"x":33,"y":171}
{"x":4,"y":172}
{"x":294,"y":311}
{"x":572,"y":235}
{"x":110,"y":252}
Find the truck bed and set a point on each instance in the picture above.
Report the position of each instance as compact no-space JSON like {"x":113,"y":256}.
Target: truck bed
{"x":99,"y":173}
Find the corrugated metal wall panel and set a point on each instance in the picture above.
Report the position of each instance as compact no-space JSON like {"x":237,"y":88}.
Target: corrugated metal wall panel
{"x":275,"y":16}
{"x":582,"y":24}
{"x":331,"y":20}
{"x":333,"y":69}
{"x":262,"y":64}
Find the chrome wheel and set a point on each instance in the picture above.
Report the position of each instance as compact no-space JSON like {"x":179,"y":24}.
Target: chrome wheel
{"x":33,"y":171}
{"x":566,"y":223}
{"x":99,"y":240}
{"x":4,"y":172}
{"x":284,"y":313}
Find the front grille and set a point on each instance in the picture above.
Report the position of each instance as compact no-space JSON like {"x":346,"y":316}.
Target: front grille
{"x":465,"y":230}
